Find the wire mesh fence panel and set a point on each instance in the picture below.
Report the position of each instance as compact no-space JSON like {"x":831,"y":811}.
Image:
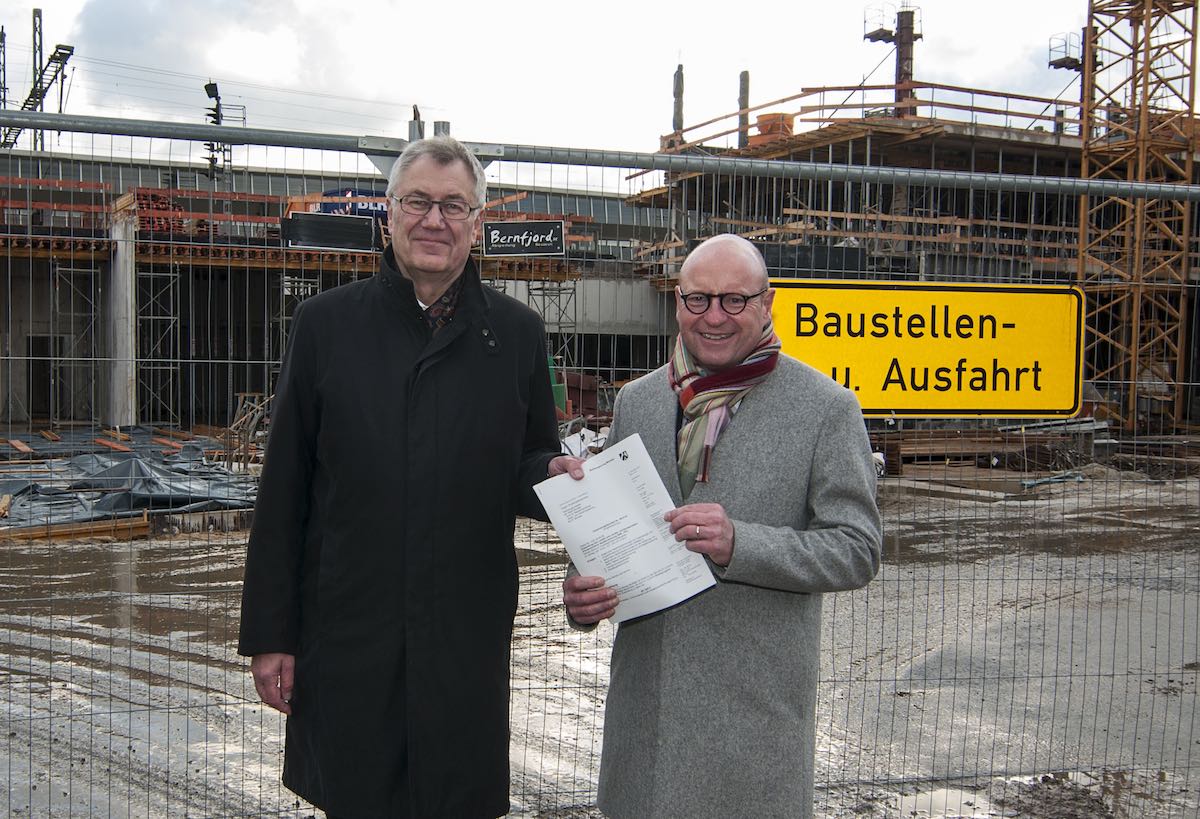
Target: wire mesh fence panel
{"x":1032,"y":640}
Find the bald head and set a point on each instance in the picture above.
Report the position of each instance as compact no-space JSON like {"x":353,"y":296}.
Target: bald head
{"x":723,"y":266}
{"x":730,"y":251}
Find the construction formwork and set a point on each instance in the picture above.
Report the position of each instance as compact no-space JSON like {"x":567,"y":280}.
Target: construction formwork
{"x":1032,"y":639}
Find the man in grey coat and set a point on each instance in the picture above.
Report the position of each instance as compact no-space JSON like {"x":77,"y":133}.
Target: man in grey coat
{"x":711,"y":703}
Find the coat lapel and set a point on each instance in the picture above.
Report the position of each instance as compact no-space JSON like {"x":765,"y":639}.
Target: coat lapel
{"x":659,"y":437}
{"x":472,"y":306}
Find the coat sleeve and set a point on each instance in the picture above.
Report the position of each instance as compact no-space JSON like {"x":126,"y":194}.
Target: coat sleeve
{"x":614,"y":435}
{"x":274,"y":556}
{"x":841,"y":547}
{"x":541,"y":431}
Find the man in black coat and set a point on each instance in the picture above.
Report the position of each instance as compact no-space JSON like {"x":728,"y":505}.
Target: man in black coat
{"x":412,"y":417}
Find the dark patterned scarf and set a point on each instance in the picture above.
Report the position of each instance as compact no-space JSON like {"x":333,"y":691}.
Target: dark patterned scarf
{"x":707,"y":401}
{"x":440,"y":313}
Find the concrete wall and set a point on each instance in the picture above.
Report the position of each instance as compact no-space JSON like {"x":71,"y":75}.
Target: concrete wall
{"x":622,"y":306}
{"x":20,"y":310}
{"x":47,"y":361}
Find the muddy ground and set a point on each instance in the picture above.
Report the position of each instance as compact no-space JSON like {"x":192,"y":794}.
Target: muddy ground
{"x":1031,"y":654}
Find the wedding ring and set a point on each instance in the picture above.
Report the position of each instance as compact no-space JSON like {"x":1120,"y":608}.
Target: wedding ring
{"x":697,"y":531}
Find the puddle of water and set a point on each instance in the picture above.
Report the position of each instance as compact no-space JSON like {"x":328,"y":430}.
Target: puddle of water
{"x":962,"y":544}
{"x":946,"y":803}
{"x":533,"y":557}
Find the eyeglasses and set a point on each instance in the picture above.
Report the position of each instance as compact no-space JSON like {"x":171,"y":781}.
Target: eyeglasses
{"x":731,"y":303}
{"x":416,"y":205}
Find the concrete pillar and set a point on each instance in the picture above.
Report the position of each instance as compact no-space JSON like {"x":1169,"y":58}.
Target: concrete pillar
{"x":905,"y":37}
{"x":743,"y":104}
{"x":120,"y":405}
{"x":677,"y":91}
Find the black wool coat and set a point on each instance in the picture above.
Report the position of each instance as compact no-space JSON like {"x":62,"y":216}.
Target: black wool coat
{"x":381,"y":553}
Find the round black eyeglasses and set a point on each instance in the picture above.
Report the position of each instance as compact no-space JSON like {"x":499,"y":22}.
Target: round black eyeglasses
{"x":731,"y":303}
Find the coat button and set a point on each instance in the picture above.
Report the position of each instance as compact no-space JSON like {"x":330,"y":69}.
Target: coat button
{"x":486,"y":331}
{"x":492,"y":342}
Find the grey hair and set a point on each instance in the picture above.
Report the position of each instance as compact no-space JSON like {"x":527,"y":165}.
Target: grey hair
{"x":444,"y":150}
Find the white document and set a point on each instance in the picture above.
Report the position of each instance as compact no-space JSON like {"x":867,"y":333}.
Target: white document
{"x":612,"y":525}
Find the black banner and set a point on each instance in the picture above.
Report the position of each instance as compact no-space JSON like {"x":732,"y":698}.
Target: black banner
{"x":333,"y":231}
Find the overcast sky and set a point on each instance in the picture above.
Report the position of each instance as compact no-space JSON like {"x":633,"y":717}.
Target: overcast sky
{"x":594,"y":75}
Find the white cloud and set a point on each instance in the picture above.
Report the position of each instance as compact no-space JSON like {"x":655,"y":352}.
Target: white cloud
{"x":540,"y":72}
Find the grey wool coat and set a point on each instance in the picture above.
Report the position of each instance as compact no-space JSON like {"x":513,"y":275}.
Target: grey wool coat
{"x":711,"y":703}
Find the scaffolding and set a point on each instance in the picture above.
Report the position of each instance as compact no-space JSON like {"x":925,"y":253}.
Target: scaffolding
{"x":158,"y":344}
{"x":555,"y":302}
{"x":77,"y":315}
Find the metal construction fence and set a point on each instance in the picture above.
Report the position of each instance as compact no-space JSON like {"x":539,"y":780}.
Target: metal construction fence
{"x":1031,"y":644}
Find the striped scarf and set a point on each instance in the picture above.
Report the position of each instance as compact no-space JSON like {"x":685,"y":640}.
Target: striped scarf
{"x":707,"y":401}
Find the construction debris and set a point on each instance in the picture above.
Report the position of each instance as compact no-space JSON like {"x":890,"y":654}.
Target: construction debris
{"x":90,"y":485}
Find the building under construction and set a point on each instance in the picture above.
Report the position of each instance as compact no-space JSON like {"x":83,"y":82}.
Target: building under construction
{"x":1031,"y":639}
{"x":158,"y":289}
{"x":1132,"y":256}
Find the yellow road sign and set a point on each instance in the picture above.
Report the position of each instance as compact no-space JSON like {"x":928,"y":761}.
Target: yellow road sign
{"x":932,"y":349}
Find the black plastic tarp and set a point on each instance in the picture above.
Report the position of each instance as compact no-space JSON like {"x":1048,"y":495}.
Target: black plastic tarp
{"x":96,"y":486}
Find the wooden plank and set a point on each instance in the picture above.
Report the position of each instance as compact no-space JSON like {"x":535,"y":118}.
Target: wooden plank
{"x":113,"y":445}
{"x":167,"y":442}
{"x":916,"y":218}
{"x":506,"y":200}
{"x":981,"y":92}
{"x":948,"y":448}
{"x":529,"y":216}
{"x":49,"y":436}
{"x":1133,"y":458}
{"x":125,"y":201}
{"x":291,"y":260}
{"x":654,"y":248}
{"x":116,"y":434}
{"x":192,"y":193}
{"x":646,"y":195}
{"x":1027,"y":108}
{"x":663,"y":260}
{"x":210,"y":216}
{"x":20,"y":446}
{"x":125,"y":527}
{"x":173,"y":433}
{"x":320,"y":198}
{"x":940,"y":239}
{"x":721,"y":220}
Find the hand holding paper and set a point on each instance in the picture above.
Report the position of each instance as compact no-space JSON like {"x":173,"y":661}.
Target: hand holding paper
{"x":612,"y":525}
{"x":588,"y":599}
